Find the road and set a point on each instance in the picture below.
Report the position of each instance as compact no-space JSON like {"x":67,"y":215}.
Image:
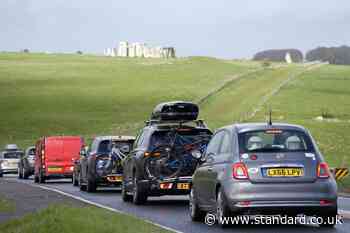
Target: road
{"x":173,"y":211}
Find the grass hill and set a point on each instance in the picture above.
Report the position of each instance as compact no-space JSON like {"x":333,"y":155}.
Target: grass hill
{"x":89,"y":95}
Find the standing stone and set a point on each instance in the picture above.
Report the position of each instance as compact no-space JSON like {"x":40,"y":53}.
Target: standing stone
{"x":123,"y":49}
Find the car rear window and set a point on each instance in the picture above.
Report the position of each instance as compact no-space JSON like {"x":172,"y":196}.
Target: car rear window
{"x":106,"y":146}
{"x":31,"y":151}
{"x":275,"y":140}
{"x":12,"y":155}
{"x":183,"y":137}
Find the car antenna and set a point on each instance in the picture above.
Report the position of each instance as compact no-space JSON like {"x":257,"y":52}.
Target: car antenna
{"x":270,"y":117}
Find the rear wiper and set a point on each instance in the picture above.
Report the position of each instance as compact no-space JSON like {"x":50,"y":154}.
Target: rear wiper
{"x":266,"y":149}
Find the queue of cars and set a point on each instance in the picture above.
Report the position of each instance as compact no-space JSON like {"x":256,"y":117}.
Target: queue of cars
{"x":241,"y":169}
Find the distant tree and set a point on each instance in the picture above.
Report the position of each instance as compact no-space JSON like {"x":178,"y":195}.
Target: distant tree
{"x":279,"y":55}
{"x":333,"y":55}
{"x":25,"y":51}
{"x":79,"y":52}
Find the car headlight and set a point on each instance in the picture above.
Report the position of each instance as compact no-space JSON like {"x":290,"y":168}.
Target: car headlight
{"x":5,"y":163}
{"x":196,"y":154}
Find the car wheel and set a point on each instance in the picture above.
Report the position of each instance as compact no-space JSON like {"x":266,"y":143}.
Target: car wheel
{"x":197,"y":215}
{"x":20,"y":172}
{"x":75,"y":181}
{"x":125,"y":196}
{"x":139,"y":197}
{"x":82,"y":187}
{"x":91,"y":185}
{"x":24,"y":173}
{"x":36,"y":178}
{"x":41,"y":178}
{"x":91,"y":182}
{"x":222,"y":210}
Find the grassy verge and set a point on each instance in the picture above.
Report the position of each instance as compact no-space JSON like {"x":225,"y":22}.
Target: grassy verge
{"x":6,"y":205}
{"x":65,"y":219}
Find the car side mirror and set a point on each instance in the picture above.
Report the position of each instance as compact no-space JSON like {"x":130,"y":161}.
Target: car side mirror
{"x":83,"y":152}
{"x":208,"y":157}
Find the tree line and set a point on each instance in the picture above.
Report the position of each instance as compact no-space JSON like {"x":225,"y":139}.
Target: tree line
{"x":333,"y":55}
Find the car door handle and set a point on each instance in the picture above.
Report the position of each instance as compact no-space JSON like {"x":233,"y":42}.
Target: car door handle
{"x":210,"y":169}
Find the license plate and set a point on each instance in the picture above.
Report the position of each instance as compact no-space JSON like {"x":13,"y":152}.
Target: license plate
{"x":185,"y":186}
{"x":285,"y":172}
{"x":54,"y":169}
{"x":114,"y":178}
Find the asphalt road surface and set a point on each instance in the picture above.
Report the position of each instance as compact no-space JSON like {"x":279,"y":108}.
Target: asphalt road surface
{"x":172,"y":211}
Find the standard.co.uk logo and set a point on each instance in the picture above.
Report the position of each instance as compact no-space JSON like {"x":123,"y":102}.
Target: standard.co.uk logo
{"x":211,"y":219}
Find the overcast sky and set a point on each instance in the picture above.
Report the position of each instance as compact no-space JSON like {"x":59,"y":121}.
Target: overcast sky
{"x":220,"y":28}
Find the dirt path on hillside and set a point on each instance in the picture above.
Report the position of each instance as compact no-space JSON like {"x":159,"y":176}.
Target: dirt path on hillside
{"x":29,"y":199}
{"x":291,"y":77}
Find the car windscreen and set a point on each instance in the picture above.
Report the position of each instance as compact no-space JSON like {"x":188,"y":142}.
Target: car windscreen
{"x":106,"y":146}
{"x":12,"y":155}
{"x":31,"y":151}
{"x":275,"y":140}
{"x":179,"y":137}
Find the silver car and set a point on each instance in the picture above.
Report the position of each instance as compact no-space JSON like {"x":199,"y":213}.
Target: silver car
{"x":263,"y":169}
{"x":9,"y":159}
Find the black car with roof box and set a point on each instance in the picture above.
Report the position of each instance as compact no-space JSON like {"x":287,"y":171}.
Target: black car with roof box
{"x":165,"y":153}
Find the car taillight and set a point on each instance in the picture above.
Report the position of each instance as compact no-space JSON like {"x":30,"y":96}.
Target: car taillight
{"x":154,"y":154}
{"x":323,"y":170}
{"x":240,"y":171}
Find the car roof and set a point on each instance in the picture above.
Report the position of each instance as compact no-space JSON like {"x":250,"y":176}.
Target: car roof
{"x":246,"y":127}
{"x":115,"y":138}
{"x":62,"y":137}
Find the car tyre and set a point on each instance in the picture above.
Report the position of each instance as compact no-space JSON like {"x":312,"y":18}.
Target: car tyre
{"x":75,"y":181}
{"x":42,"y":179}
{"x":139,"y":196}
{"x":82,"y":186}
{"x":91,"y":182}
{"x":125,"y":196}
{"x":196,"y":214}
{"x":1,"y":175}
{"x":25,"y":174}
{"x":91,"y":185}
{"x":36,"y":178}
{"x":20,"y":172}
{"x":222,"y":210}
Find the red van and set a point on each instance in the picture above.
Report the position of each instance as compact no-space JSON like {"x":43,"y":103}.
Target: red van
{"x":55,"y":157}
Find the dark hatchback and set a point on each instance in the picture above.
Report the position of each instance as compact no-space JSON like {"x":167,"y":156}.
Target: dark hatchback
{"x":101,"y":165}
{"x":263,"y":169}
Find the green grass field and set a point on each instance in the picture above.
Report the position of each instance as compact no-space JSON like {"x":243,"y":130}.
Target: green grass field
{"x":90,"y":95}
{"x":6,"y":205}
{"x":66,"y":219}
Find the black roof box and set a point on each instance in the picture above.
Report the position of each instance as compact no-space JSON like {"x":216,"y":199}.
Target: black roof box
{"x":175,"y":111}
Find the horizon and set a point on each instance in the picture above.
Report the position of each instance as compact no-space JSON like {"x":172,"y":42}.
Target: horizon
{"x":222,"y":29}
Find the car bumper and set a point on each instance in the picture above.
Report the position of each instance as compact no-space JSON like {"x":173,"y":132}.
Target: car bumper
{"x":9,"y":170}
{"x":59,"y":176}
{"x":110,"y":180}
{"x":321,"y":194}
{"x":156,"y":187}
